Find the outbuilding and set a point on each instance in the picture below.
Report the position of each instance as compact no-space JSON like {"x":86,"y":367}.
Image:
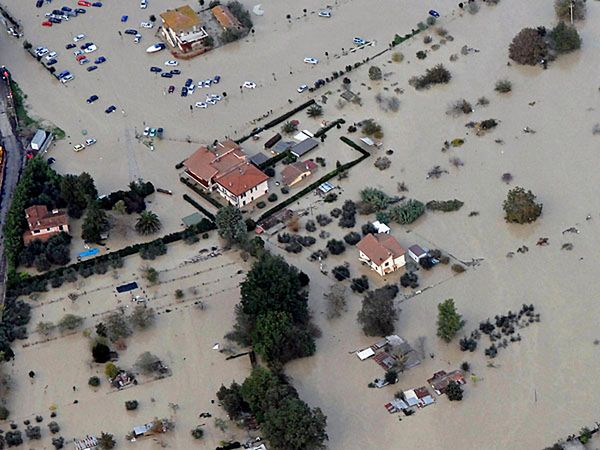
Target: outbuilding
{"x":417,"y":253}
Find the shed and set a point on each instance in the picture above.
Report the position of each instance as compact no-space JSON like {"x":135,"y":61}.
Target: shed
{"x":368,"y":141}
{"x":281,"y":146}
{"x":258,"y":159}
{"x":38,"y":140}
{"x":274,"y":140}
{"x":192,"y":219}
{"x":302,"y":148}
{"x":142,"y":429}
{"x":303,"y":135}
{"x":381,"y":227}
{"x":365,"y":354}
{"x":324,"y":188}
{"x":417,"y":253}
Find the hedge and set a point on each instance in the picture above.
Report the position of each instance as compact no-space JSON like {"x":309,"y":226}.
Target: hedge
{"x":201,"y":193}
{"x":40,"y":281}
{"x":324,"y":130}
{"x":199,"y":207}
{"x":323,"y":179}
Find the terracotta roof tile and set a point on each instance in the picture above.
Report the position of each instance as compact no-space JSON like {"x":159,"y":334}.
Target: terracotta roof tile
{"x":379,"y":247}
{"x":180,"y":19}
{"x":242,"y":179}
{"x":225,"y":17}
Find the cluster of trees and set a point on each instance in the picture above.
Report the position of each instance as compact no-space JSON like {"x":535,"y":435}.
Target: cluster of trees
{"x":375,"y":73}
{"x":405,"y":213}
{"x":533,"y":46}
{"x":436,"y":75}
{"x":131,"y":201}
{"x":273,"y":315}
{"x":378,"y":314}
{"x":42,"y":255}
{"x":286,"y":421}
{"x":15,"y":318}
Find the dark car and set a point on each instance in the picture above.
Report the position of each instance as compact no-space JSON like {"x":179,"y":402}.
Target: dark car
{"x":175,"y":72}
{"x":97,"y":4}
{"x":110,"y":109}
{"x":80,"y":11}
{"x":188,"y":82}
{"x":57,"y":12}
{"x":166,"y":75}
{"x":86,"y":45}
{"x":39,"y":3}
{"x":51,"y":161}
{"x":184,"y":91}
{"x":64,"y":73}
{"x":51,"y":62}
{"x":171,"y":89}
{"x":100,"y":60}
{"x":54,"y":20}
{"x":66,"y":8}
{"x":155,"y":69}
{"x":131,"y":31}
{"x":70,"y":46}
{"x":89,"y":69}
{"x":92,"y":99}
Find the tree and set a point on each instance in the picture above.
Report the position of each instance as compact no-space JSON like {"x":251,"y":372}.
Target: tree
{"x":315,"y":111}
{"x":454,"y":391}
{"x":131,"y":405}
{"x":231,"y":225}
{"x":528,"y":47}
{"x":231,"y":35}
{"x":147,"y":223}
{"x":142,"y":316}
{"x":375,"y":73}
{"x":563,"y":9}
{"x":33,"y":433}
{"x":220,"y":424}
{"x":100,"y":353}
{"x":341,"y":273}
{"x":277,"y":340}
{"x":336,"y":247}
{"x":352,"y":238}
{"x":106,"y":441}
{"x":147,"y":363}
{"x":58,"y":442}
{"x":120,"y":207}
{"x":336,"y":301}
{"x":70,"y":322}
{"x":110,"y":370}
{"x":565,"y":38}
{"x":117,"y":326}
{"x":295,"y":426}
{"x":94,"y":381}
{"x":289,"y":127}
{"x":150,"y":274}
{"x":391,"y":376}
{"x":378,"y":313}
{"x":53,"y":427}
{"x":449,"y":322}
{"x":41,"y":263}
{"x":263,"y":390}
{"x":232,"y":401}
{"x":375,"y":199}
{"x":44,"y":328}
{"x":209,"y":41}
{"x":585,"y":434}
{"x":197,"y":432}
{"x":95,"y":223}
{"x":4,"y":412}
{"x":520,"y":206}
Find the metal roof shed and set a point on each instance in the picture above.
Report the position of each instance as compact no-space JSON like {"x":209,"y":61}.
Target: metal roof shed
{"x":38,"y":139}
{"x":304,"y":147}
{"x":365,"y":354}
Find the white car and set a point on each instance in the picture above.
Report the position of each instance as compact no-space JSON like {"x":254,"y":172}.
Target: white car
{"x":79,"y":37}
{"x":171,"y":63}
{"x":201,"y":105}
{"x":143,"y":4}
{"x":249,"y":84}
{"x":42,"y":51}
{"x":67,"y":78}
{"x":302,"y":88}
{"x":211,"y":101}
{"x":325,"y":13}
{"x":90,"y":49}
{"x":146,"y":131}
{"x":78,"y":52}
{"x":137,"y":38}
{"x":78,"y":147}
{"x":311,"y":60}
{"x":359,"y":41}
{"x":146,"y":24}
{"x":50,"y":55}
{"x":191,"y":89}
{"x":90,"y":141}
{"x":214,"y":97}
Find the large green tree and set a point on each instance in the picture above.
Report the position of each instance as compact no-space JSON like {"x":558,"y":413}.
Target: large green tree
{"x":231,"y":225}
{"x":449,"y":321}
{"x":147,"y":223}
{"x":95,"y":223}
{"x":565,"y":38}
{"x":232,"y":401}
{"x":520,"y":206}
{"x":378,"y":314}
{"x":264,"y":390}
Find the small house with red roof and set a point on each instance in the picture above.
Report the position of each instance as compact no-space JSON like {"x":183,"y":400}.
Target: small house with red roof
{"x":44,"y":224}
{"x":296,"y":172}
{"x":382,"y":252}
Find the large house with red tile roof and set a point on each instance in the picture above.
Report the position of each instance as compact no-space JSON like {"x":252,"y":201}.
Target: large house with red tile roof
{"x":182,"y":28}
{"x":44,"y":224}
{"x":227,"y":170}
{"x":382,"y":252}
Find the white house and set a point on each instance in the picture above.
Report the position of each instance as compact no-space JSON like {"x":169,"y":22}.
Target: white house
{"x":382,"y":252}
{"x":182,"y":28}
{"x":416,"y":253}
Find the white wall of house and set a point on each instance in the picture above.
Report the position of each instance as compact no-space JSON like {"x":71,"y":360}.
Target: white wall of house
{"x":388,"y":266}
{"x":42,"y":231}
{"x":245,"y":198}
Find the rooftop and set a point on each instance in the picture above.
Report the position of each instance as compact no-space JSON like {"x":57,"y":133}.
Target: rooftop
{"x":38,"y":217}
{"x":207,"y":164}
{"x":379,"y":247}
{"x":180,"y":19}
{"x":225,"y":17}
{"x":242,"y":179}
{"x":295,"y":170}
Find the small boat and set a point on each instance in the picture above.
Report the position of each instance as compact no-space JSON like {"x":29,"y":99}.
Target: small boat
{"x":156,"y":48}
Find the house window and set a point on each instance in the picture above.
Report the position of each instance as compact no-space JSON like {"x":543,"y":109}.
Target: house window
{"x":36,"y":231}
{"x":47,"y":229}
{"x":61,"y":228}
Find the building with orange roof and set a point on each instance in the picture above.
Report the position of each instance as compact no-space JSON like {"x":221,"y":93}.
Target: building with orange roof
{"x":226,"y":18}
{"x":44,"y":224}
{"x":382,"y":252}
{"x":227,"y":170}
{"x":296,"y":172}
{"x":182,"y":28}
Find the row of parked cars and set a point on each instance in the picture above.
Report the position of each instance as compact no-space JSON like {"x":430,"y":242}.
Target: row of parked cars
{"x":65,"y":13}
{"x":189,"y":86}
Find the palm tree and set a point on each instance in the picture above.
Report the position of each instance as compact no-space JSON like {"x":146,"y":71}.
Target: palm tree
{"x":315,"y":111}
{"x":147,"y":223}
{"x":106,"y":441}
{"x":289,"y":127}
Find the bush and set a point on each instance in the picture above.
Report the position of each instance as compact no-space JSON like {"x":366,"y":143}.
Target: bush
{"x":330,"y":197}
{"x":421,"y":54}
{"x":100,"y":353}
{"x":70,"y":322}
{"x":454,"y":391}
{"x":272,"y":198}
{"x":94,"y":381}
{"x":563,"y":9}
{"x":407,"y":213}
{"x":375,"y":73}
{"x":341,"y":273}
{"x":323,"y":220}
{"x":13,"y":438}
{"x":382,"y":163}
{"x":336,"y":247}
{"x":131,"y":405}
{"x":310,"y":226}
{"x":397,"y":57}
{"x":53,"y":427}
{"x":261,"y":205}
{"x":33,"y":433}
{"x":528,"y":47}
{"x":360,"y":284}
{"x":197,"y":433}
{"x":431,"y":21}
{"x":520,"y":206}
{"x":352,"y":238}
{"x":446,"y":206}
{"x":4,"y":413}
{"x":58,"y":442}
{"x":436,"y":75}
{"x":110,"y":370}
{"x":458,"y":268}
{"x":503,"y":86}
{"x":565,"y":38}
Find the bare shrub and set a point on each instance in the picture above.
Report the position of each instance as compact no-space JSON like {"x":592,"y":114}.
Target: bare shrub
{"x":503,"y":86}
{"x":507,"y":177}
{"x":382,"y":163}
{"x":482,"y":101}
{"x":459,"y":107}
{"x":336,"y":301}
{"x":427,"y":39}
{"x":397,"y":57}
{"x":473,"y":7}
{"x":441,"y":31}
{"x":456,"y":162}
{"x":436,"y":75}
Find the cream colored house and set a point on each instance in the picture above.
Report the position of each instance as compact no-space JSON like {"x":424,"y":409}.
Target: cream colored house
{"x":382,"y":252}
{"x":182,"y":28}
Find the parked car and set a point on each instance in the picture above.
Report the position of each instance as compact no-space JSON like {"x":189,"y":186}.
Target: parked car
{"x":175,"y":72}
{"x":208,"y":82}
{"x":166,"y":75}
{"x":79,"y":37}
{"x":69,"y":46}
{"x":54,"y":20}
{"x":302,"y":88}
{"x":78,"y":147}
{"x":50,"y":55}
{"x":211,"y":101}
{"x":130,"y":31}
{"x":189,"y":82}
{"x":63,"y":74}
{"x":155,"y":69}
{"x":124,"y":18}
{"x":184,"y":91}
{"x":80,"y":57}
{"x":90,"y":141}
{"x":66,"y":8}
{"x":249,"y":85}
{"x":42,"y":51}
{"x":171,"y":63}
{"x":137,"y":39}
{"x":156,"y":47}
{"x":311,"y":60}
{"x":201,"y":105}
{"x":51,"y":62}
{"x":77,"y":53}
{"x":325,"y":13}
{"x":146,"y":131}
{"x":171,"y":89}
{"x":90,"y":49}
{"x":51,"y":161}
{"x":83,"y":61}
{"x":91,"y":68}
{"x":143,"y":4}
{"x":146,"y":24}
{"x":92,"y":99}
{"x":216,"y":79}
{"x":46,"y":23}
{"x":84,"y":3}
{"x":359,"y":41}
{"x":39,"y":3}
{"x":100,"y":60}
{"x":97,"y":4}
{"x":110,"y":109}
{"x":191,"y":88}
{"x":67,"y":78}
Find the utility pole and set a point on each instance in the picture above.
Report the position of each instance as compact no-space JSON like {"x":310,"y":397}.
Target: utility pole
{"x":571,"y":7}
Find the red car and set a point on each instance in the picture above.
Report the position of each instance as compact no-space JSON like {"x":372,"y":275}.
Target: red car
{"x":80,"y":57}
{"x":45,"y":23}
{"x":84,"y":3}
